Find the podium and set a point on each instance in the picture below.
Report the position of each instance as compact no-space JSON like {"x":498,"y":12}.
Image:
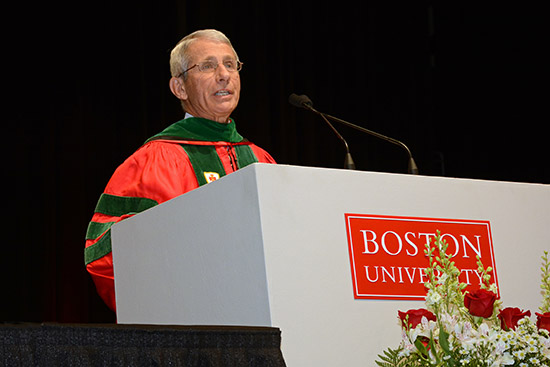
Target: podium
{"x":267,"y":246}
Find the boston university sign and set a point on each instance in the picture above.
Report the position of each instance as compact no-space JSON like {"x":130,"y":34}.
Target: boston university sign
{"x":387,"y":253}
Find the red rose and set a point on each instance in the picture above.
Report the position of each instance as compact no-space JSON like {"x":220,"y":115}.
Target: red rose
{"x":543,"y":320}
{"x":415,"y":317}
{"x":480,"y":302}
{"x":510,"y":316}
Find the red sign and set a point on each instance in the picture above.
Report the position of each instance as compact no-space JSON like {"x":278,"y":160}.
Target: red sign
{"x":387,"y":253}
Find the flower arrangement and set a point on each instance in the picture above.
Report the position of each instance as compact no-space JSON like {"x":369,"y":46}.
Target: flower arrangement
{"x":469,"y":329}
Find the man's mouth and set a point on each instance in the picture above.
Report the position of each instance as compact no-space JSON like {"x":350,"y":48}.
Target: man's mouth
{"x":222,"y":93}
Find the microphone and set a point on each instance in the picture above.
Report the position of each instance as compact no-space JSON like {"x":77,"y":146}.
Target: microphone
{"x":303,"y":101}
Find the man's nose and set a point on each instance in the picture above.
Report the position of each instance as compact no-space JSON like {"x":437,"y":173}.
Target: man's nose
{"x":222,"y":74}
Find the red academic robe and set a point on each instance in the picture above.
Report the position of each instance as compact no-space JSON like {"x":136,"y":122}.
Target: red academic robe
{"x":158,"y":171}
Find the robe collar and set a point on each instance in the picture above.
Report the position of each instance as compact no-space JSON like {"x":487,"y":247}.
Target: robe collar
{"x":201,"y":129}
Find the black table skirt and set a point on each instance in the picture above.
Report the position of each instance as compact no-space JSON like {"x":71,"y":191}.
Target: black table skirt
{"x":138,"y":345}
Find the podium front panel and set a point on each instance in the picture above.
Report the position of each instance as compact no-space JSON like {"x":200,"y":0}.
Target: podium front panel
{"x":194,"y":260}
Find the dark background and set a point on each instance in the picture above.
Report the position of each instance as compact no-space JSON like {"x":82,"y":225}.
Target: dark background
{"x":85,"y":84}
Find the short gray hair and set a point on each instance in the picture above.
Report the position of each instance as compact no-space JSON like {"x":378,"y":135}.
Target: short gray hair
{"x":179,"y":57}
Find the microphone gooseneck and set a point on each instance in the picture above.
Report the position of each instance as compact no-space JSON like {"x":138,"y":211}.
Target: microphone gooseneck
{"x":303,"y":101}
{"x":412,"y":168}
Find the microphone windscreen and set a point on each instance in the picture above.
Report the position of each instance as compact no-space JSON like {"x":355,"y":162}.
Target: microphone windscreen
{"x":299,"y":101}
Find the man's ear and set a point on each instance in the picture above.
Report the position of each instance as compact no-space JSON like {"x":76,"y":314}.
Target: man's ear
{"x":178,"y":89}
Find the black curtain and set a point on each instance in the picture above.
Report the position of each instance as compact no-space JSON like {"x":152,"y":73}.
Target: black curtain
{"x":86,"y":84}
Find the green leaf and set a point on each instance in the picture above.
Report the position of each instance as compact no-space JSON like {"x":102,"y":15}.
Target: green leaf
{"x":444,"y":340}
{"x":421,"y":348}
{"x":391,"y":358}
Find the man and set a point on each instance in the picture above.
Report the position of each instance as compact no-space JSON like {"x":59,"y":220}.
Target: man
{"x":202,"y":147}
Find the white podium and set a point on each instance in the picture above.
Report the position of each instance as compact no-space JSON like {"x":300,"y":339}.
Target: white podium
{"x":267,"y":246}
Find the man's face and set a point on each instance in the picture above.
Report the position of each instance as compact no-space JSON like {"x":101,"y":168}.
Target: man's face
{"x":211,"y":95}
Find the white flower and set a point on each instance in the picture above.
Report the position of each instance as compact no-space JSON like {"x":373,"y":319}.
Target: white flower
{"x":405,"y":338}
{"x":532,"y":349}
{"x":545,"y":344}
{"x":426,"y":324}
{"x":506,"y":359}
{"x":442,"y":278}
{"x":483,"y":329}
{"x":433,"y":298}
{"x":467,"y":329}
{"x":500,"y":347}
{"x":519,"y":354}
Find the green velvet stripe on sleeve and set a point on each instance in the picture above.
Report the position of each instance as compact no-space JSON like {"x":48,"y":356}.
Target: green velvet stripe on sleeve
{"x":96,"y":229}
{"x":116,"y":206}
{"x":98,"y":249}
{"x":120,"y":205}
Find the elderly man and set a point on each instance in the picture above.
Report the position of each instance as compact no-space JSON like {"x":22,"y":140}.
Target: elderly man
{"x":202,"y":147}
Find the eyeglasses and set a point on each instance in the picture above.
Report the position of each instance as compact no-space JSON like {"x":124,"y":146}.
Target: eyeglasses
{"x":210,"y":66}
